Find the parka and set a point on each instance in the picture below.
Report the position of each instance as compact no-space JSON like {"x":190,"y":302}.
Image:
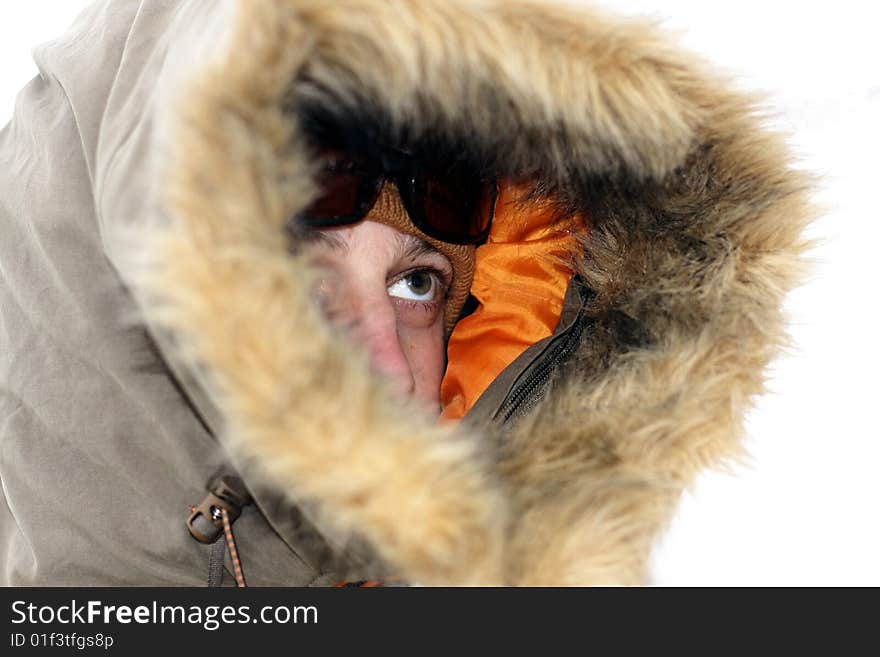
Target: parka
{"x":157,"y":329}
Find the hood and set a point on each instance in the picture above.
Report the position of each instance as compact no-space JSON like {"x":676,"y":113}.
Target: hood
{"x":669,"y":318}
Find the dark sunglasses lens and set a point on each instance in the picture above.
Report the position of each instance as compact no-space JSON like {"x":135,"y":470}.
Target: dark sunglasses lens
{"x":458,"y":205}
{"x":346,"y":189}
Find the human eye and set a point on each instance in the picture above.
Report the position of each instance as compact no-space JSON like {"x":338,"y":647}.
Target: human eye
{"x":419,"y":285}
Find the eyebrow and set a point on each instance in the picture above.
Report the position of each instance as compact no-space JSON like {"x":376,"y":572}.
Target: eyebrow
{"x":407,"y":245}
{"x":410,"y":246}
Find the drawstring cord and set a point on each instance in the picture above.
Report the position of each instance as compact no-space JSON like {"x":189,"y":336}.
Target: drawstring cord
{"x":222,"y":506}
{"x":215,"y":563}
{"x":233,"y":552}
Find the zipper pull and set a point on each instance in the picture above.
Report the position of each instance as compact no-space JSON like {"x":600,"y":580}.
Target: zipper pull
{"x":227,"y":492}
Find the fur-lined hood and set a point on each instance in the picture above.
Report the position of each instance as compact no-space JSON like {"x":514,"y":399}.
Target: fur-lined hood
{"x":696,"y":220}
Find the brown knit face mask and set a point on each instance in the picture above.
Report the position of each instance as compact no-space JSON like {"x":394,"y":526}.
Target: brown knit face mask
{"x":446,"y":205}
{"x":389,"y":210}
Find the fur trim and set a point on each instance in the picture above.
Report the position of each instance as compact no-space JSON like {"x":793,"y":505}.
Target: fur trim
{"x":697,"y":222}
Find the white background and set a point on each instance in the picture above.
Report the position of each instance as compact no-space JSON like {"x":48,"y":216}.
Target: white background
{"x":806,"y":511}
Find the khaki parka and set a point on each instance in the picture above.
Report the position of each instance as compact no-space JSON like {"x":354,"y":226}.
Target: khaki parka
{"x":156,"y":325}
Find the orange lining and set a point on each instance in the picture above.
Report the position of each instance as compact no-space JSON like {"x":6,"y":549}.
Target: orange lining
{"x":520,"y":281}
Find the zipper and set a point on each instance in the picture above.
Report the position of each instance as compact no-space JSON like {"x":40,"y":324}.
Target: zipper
{"x":533,"y":384}
{"x":520,"y":385}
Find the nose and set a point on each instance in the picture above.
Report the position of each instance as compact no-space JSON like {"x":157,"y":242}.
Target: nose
{"x":375,"y":325}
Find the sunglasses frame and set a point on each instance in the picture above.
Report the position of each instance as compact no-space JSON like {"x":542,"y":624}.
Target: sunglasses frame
{"x":406,"y":172}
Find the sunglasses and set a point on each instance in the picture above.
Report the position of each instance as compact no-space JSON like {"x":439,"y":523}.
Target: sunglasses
{"x":447,"y":201}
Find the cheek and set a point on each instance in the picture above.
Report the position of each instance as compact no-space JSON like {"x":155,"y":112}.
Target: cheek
{"x":426,"y":354}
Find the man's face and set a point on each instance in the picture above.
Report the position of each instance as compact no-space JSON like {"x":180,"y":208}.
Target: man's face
{"x":389,"y":290}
